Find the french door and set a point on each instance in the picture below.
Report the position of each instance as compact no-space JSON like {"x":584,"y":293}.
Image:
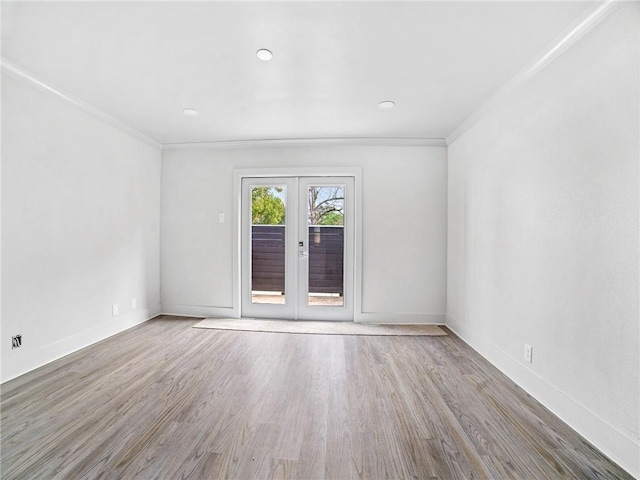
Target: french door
{"x":297,"y":248}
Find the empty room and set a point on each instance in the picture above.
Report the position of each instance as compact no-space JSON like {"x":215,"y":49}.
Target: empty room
{"x":320,"y":240}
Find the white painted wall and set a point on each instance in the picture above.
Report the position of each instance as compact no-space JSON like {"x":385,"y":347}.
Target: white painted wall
{"x":80,"y":228}
{"x":404,"y":224}
{"x":543,"y":236}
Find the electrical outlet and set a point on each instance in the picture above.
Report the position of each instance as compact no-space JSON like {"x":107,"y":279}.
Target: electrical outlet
{"x":115,"y":309}
{"x":16,"y":341}
{"x":134,"y":304}
{"x":221,"y":217}
{"x":528,"y":351}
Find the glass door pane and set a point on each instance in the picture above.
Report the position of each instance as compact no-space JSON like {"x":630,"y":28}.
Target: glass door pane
{"x":268,"y":244}
{"x":325,"y":240}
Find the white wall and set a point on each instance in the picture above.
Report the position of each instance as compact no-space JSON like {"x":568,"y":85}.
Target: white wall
{"x":80,"y":227}
{"x":543,"y":236}
{"x":404,"y":224}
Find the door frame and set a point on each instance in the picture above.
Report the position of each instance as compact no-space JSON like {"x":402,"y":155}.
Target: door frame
{"x":239,"y":174}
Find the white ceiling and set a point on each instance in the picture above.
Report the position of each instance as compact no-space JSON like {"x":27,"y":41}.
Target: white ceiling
{"x":144,"y":62}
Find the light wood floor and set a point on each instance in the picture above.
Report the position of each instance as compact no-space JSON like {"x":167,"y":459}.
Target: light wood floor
{"x":167,"y":401}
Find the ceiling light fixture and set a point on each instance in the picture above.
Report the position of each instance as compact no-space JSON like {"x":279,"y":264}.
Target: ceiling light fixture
{"x":386,"y":105}
{"x":190,"y":112}
{"x":264,"y":54}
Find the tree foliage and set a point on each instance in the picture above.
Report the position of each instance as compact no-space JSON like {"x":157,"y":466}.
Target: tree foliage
{"x":267,"y":208}
{"x":326,"y":205}
{"x":332,"y":218}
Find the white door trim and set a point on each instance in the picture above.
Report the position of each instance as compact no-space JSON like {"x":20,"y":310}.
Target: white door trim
{"x":239,"y":174}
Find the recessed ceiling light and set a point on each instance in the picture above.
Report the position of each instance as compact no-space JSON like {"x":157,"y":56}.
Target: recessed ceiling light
{"x":386,"y":105}
{"x":190,"y":112}
{"x":264,"y":54}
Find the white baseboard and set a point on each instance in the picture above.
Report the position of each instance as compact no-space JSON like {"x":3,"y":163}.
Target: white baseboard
{"x":401,"y":318}
{"x":613,"y":443}
{"x":27,"y":359}
{"x":198,"y":311}
{"x":366,"y":317}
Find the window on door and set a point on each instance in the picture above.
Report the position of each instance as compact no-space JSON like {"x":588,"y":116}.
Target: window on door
{"x":325,"y":238}
{"x":268,"y":214}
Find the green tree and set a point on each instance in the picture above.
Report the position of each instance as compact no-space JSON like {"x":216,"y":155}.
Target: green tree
{"x":332,"y":218}
{"x":267,"y":208}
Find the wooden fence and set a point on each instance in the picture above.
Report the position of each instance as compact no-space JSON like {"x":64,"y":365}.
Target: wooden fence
{"x":326,"y":258}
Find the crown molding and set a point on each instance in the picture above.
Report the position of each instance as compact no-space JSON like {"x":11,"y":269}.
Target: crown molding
{"x":578,"y":30}
{"x":25,"y":76}
{"x":305,"y":142}
{"x":21,"y":74}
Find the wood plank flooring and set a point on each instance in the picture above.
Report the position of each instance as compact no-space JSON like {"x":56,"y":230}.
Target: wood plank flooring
{"x":167,"y":401}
